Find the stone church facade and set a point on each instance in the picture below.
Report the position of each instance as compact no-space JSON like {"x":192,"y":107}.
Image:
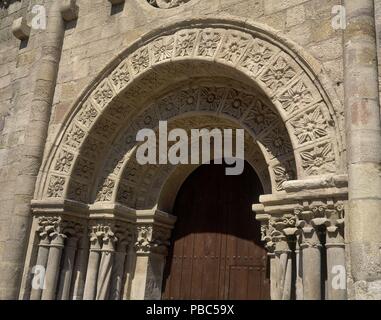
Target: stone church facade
{"x":78,"y":209}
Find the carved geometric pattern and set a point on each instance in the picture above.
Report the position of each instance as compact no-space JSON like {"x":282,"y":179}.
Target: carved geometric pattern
{"x":185,"y":44}
{"x":93,"y":148}
{"x":56,"y":187}
{"x":187,"y":100}
{"x":104,"y":128}
{"x":236,"y":103}
{"x":260,"y":117}
{"x":64,"y":161}
{"x":78,"y":191}
{"x":162,"y":49}
{"x":255,"y":57}
{"x":208,"y":43}
{"x":278,"y":74}
{"x":318,"y":160}
{"x":233,"y":47}
{"x":297,"y":97}
{"x":103,"y":94}
{"x":88,"y":114}
{"x":84,"y":169}
{"x":74,"y":136}
{"x":121,"y":76}
{"x":140,"y":60}
{"x":310,"y":125}
{"x":148,"y":119}
{"x":211,"y":98}
{"x":277,"y":142}
{"x":106,"y":190}
{"x":283,"y":172}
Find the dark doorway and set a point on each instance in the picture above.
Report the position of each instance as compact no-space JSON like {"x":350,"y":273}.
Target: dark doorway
{"x":216,"y":252}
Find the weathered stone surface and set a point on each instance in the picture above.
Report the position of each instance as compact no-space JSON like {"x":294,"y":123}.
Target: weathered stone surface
{"x":73,"y":98}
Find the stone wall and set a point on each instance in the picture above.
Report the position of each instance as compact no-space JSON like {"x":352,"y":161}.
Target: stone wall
{"x":17,"y":62}
{"x":93,"y":40}
{"x":378,"y":26}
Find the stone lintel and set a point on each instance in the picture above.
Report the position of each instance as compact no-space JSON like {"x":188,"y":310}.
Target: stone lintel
{"x":155,"y":217}
{"x":112,"y":211}
{"x":67,"y":207}
{"x":328,"y":181}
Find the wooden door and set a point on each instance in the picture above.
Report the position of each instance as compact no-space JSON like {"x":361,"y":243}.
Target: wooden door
{"x":216,"y":252}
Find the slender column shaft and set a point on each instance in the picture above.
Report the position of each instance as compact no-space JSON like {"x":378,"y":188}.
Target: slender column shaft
{"x":364,"y":146}
{"x":104,"y":275}
{"x":286,"y":266}
{"x":52,"y":268}
{"x":67,"y":269}
{"x":274,"y":285}
{"x":79,"y":273}
{"x":117,"y":276}
{"x":42,"y":260}
{"x":311,"y":248}
{"x":336,"y":264}
{"x":130,"y":265}
{"x":92,"y":272}
{"x":299,"y":272}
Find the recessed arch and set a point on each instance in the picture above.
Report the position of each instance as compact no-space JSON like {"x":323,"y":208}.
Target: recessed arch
{"x":245,"y":54}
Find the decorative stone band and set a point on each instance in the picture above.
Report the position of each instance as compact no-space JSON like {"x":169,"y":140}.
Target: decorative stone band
{"x":159,"y":62}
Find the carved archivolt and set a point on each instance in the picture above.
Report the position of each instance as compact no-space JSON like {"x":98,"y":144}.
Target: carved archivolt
{"x":267,"y":91}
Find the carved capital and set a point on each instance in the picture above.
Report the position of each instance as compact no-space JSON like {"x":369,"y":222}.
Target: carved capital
{"x":50,"y":230}
{"x":126,"y":236}
{"x":102,"y":237}
{"x":152,"y":239}
{"x":335,"y":226}
{"x":277,"y":232}
{"x":58,"y":231}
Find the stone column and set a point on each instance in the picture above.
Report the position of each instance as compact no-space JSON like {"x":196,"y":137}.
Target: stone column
{"x":90,"y":289}
{"x":299,"y":269}
{"x":274,"y":279}
{"x":283,"y":254}
{"x":67,"y":269}
{"x":151,"y":247}
{"x":121,"y":269}
{"x":278,"y":232}
{"x":335,"y":246}
{"x":364,"y":144}
{"x":130,"y":267}
{"x":80,"y":267}
{"x":116,"y":291}
{"x":284,"y":230}
{"x":311,"y":251}
{"x":41,"y":262}
{"x":105,"y":265}
{"x":53,"y":266}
